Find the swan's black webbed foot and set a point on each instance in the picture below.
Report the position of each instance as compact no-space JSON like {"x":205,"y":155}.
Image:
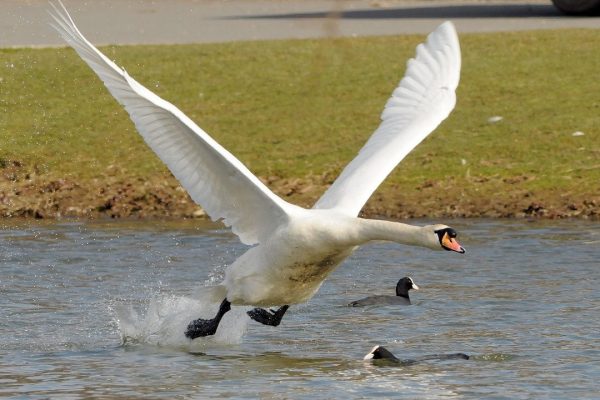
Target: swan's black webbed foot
{"x":207,"y":327}
{"x":270,"y":317}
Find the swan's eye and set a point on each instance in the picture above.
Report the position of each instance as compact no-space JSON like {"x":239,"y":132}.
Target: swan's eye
{"x":446,"y":231}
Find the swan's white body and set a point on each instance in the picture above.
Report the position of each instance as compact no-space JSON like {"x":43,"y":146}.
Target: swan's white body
{"x":291,"y":264}
{"x":294,"y":249}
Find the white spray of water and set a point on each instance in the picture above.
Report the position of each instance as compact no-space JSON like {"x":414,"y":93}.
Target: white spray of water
{"x":166,"y":318}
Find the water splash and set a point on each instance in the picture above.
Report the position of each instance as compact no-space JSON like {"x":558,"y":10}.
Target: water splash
{"x":165,"y":319}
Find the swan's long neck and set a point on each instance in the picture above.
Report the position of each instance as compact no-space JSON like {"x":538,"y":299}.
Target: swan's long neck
{"x":372,"y":229}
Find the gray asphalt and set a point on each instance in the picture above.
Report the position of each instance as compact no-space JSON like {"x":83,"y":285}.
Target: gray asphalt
{"x":26,"y":22}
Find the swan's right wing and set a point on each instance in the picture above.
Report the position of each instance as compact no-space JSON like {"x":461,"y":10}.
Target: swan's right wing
{"x":213,"y":177}
{"x":423,"y":99}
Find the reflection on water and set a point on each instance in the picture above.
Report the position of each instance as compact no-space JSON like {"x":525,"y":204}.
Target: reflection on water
{"x":524,"y":302}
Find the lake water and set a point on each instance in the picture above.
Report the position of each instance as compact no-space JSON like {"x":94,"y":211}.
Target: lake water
{"x":98,"y":310}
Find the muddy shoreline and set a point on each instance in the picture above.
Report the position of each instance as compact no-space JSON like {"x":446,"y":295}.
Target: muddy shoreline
{"x":30,"y":194}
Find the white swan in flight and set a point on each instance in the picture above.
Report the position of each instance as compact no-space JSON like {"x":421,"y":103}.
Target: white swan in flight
{"x":293,"y":249}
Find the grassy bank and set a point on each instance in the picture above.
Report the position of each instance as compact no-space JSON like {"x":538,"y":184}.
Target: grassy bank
{"x":295,"y":112}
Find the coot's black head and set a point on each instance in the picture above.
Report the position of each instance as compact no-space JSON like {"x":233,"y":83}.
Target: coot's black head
{"x":380,"y":353}
{"x":447,"y":239}
{"x":404,"y":285}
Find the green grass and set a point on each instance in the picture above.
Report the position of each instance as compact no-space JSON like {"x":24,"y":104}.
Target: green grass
{"x":305,"y":107}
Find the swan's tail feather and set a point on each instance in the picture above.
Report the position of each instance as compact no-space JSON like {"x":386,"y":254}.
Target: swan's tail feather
{"x":210,"y":294}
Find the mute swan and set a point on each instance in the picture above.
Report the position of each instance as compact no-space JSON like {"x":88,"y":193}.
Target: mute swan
{"x":401,"y":298}
{"x":293,"y":249}
{"x":381,"y":353}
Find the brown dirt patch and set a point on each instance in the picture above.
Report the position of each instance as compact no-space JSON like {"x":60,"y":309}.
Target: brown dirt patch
{"x":25,"y":192}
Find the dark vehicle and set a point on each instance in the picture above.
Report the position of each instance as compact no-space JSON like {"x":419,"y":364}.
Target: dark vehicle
{"x":578,"y":7}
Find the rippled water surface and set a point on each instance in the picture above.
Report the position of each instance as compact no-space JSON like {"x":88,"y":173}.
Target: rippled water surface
{"x":523,"y":302}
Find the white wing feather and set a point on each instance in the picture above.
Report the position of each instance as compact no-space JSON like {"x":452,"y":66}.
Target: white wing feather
{"x":422,"y":100}
{"x":213,"y":177}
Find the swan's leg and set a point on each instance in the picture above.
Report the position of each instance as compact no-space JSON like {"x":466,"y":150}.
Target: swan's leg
{"x":270,"y":317}
{"x":206,"y":327}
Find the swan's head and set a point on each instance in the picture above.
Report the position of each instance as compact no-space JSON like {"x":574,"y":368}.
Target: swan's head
{"x":445,"y":237}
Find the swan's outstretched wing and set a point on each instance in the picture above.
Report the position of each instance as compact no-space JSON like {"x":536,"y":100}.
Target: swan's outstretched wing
{"x":213,"y":177}
{"x":423,"y":99}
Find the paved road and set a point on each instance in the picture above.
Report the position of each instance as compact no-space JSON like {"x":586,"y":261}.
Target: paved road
{"x":25,"y":22}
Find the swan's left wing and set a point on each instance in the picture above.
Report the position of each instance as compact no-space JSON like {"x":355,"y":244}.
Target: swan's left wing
{"x":423,"y":99}
{"x":213,"y":177}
